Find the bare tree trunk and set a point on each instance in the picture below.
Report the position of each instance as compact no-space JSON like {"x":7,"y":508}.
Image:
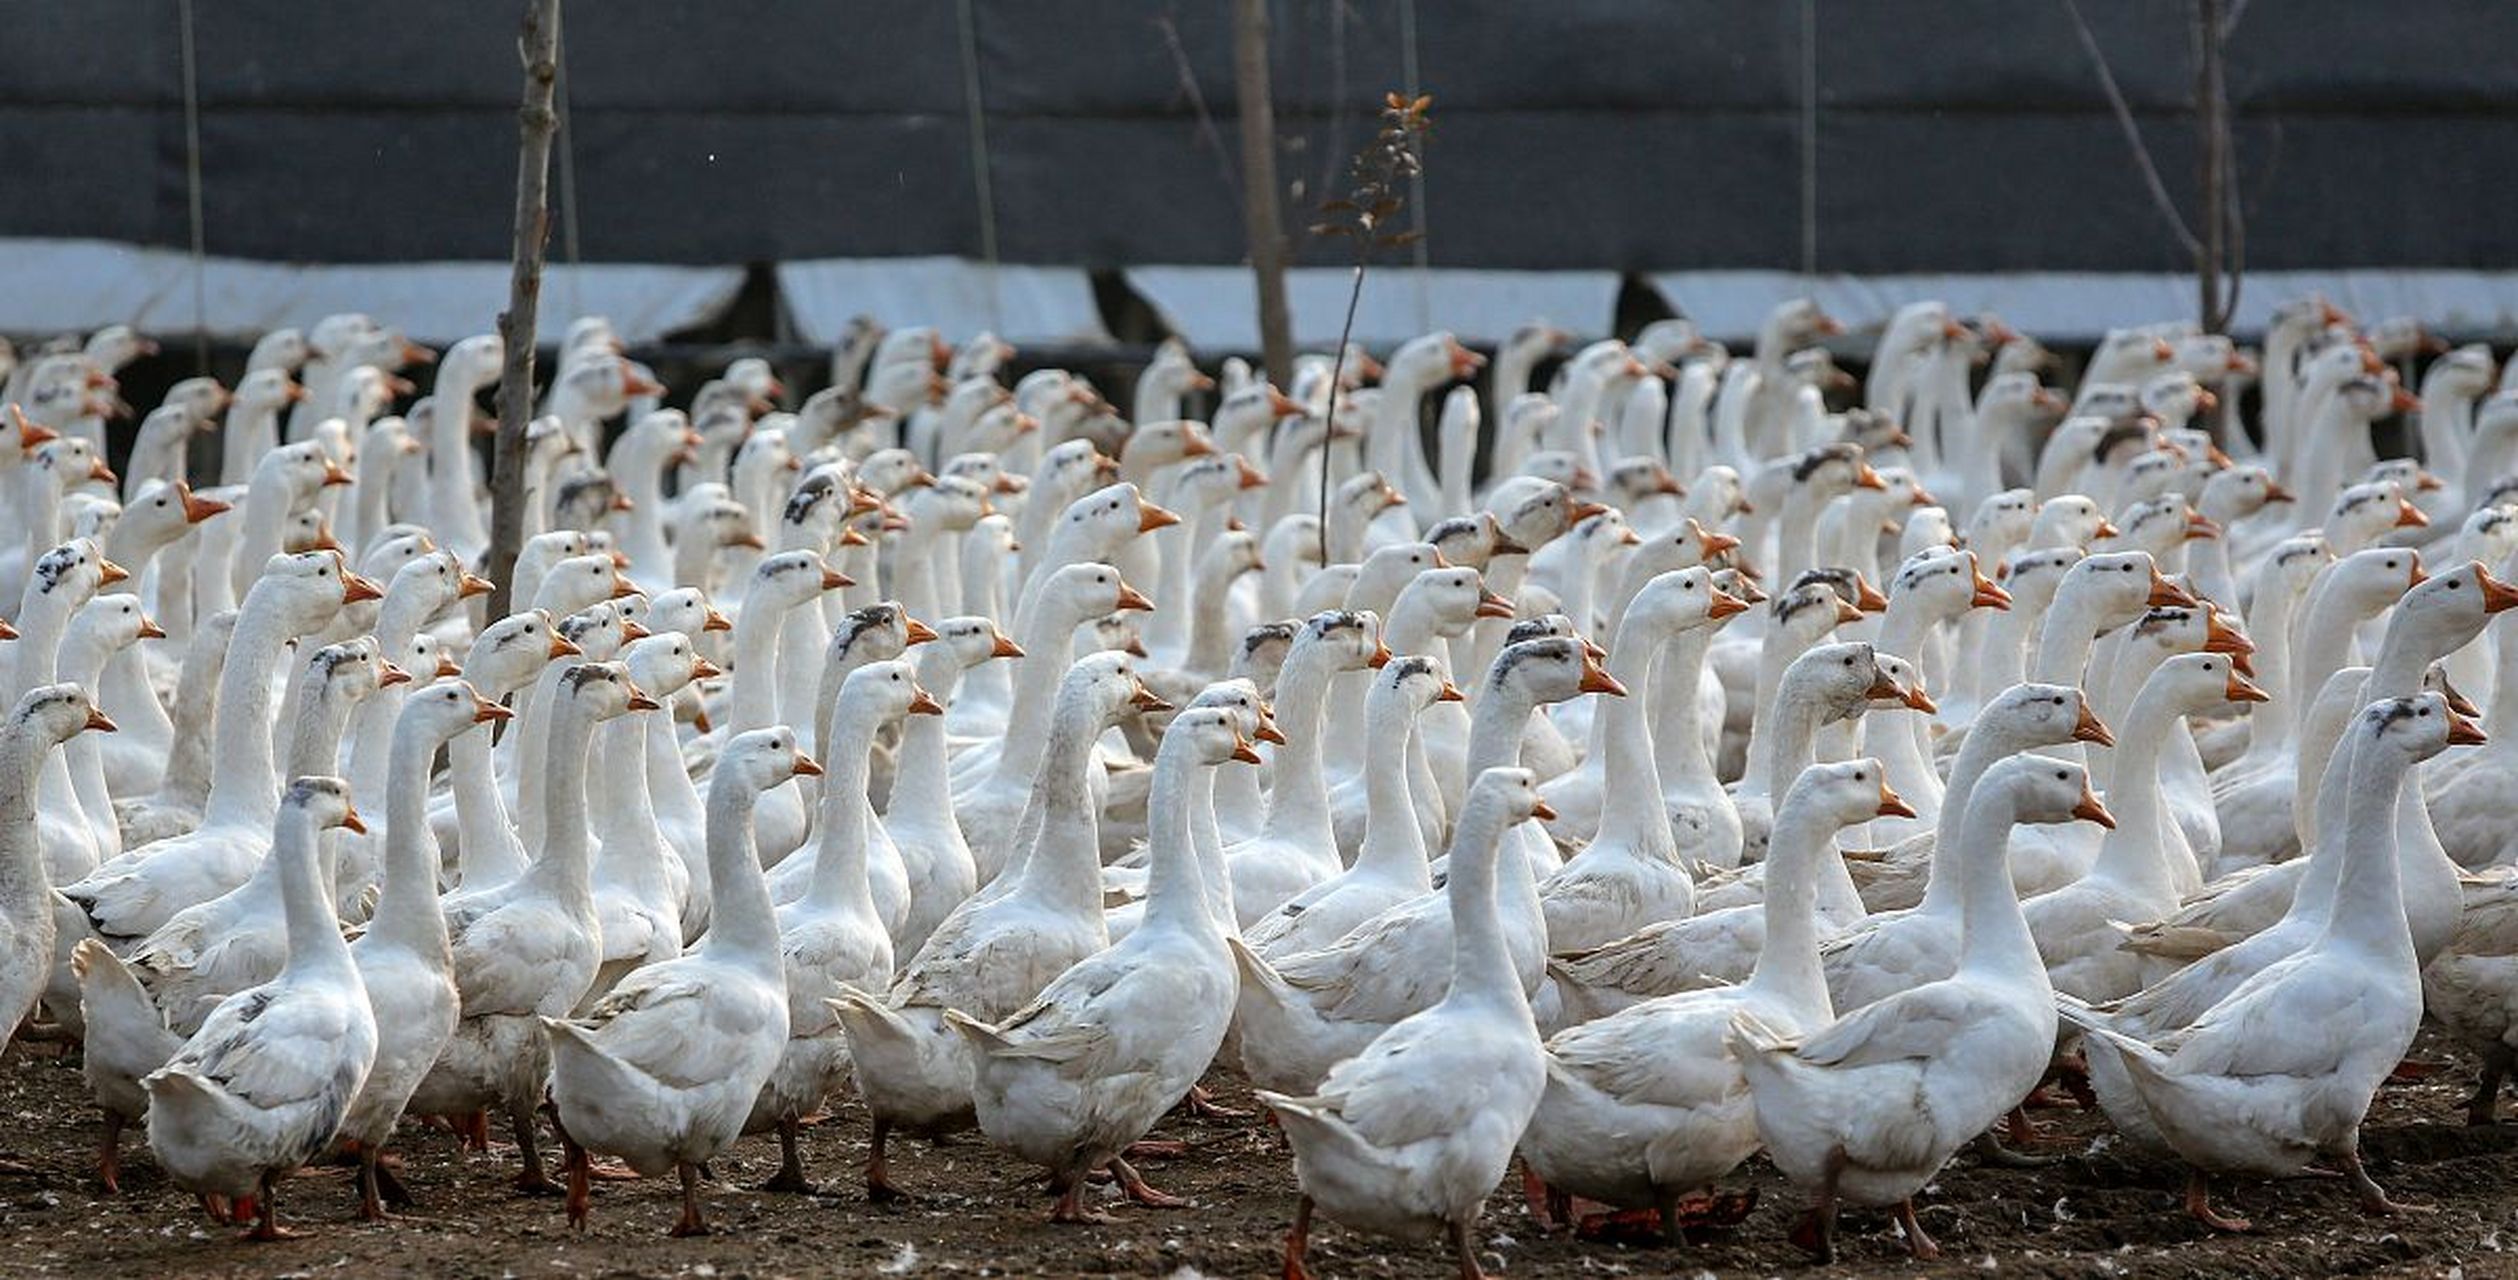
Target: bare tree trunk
{"x":2212,"y":166}
{"x":536,"y":121}
{"x":1260,"y":215}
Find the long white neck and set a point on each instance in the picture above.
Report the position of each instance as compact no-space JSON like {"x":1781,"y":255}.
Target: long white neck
{"x":2270,"y":723}
{"x":267,"y":505}
{"x":2313,"y":899}
{"x":753,"y":697}
{"x":252,"y":430}
{"x":1047,"y":642}
{"x":839,"y":860}
{"x":564,"y":868}
{"x":742,"y":925}
{"x":1993,"y":935}
{"x":1177,"y":894}
{"x":406,"y":906}
{"x":1788,"y":968}
{"x":1298,"y":808}
{"x":1061,"y":867}
{"x":922,"y":790}
{"x":1985,"y":746}
{"x":1482,"y":970}
{"x":1797,"y":713}
{"x":489,"y":853}
{"x":1631,"y":812}
{"x":244,"y":789}
{"x":2368,"y":915}
{"x":316,"y":948}
{"x":1678,"y":738}
{"x":1393,"y":851}
{"x":2064,"y":642}
{"x":23,"y":878}
{"x":2134,"y":854}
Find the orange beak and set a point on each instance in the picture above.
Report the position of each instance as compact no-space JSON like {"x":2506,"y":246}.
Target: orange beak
{"x":391,"y":675}
{"x":1867,"y":478}
{"x":1580,"y":511}
{"x":833,"y":579}
{"x":1243,"y":751}
{"x":350,"y":822}
{"x":2221,"y":635}
{"x":2199,"y":525}
{"x":2167,"y":594}
{"x":639,"y":701}
{"x":919,"y":632}
{"x":446,"y":668}
{"x":198,"y":509}
{"x":1380,"y":658}
{"x":2465,"y":733}
{"x":1144,"y":699}
{"x":1723,"y":604}
{"x":2090,"y":810}
{"x":632,"y":629}
{"x":923,"y":703}
{"x":2409,"y":516}
{"x":2238,"y":689}
{"x":715,"y":621}
{"x":100,"y":473}
{"x":474,"y":584}
{"x":97,"y":722}
{"x":1491,"y":605}
{"x":806,"y":766}
{"x":1131,"y":598}
{"x":2497,"y":595}
{"x":108,"y":573}
{"x":149,"y":630}
{"x":1005,"y":648}
{"x":1597,"y":680}
{"x":2107,"y":528}
{"x":1250,"y":477}
{"x":355,"y":589}
{"x":484,"y":711}
{"x":563,"y":647}
{"x":1867,"y":597}
{"x":2274,"y":492}
{"x":703,"y":669}
{"x":1893,"y":805}
{"x":1151,"y":517}
{"x":1989,"y":595}
{"x":1541,"y":810}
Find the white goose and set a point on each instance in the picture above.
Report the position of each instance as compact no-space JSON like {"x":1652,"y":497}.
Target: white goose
{"x":1867,"y":1109}
{"x":664,"y":1070}
{"x":1070,"y":1079}
{"x":1373,"y":1147}
{"x":834,"y":936}
{"x":261,"y":1088}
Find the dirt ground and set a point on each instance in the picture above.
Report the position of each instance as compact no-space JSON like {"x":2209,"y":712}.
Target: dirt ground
{"x":979,"y":1212}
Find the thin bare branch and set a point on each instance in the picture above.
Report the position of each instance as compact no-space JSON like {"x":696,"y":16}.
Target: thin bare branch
{"x":2132,"y":130}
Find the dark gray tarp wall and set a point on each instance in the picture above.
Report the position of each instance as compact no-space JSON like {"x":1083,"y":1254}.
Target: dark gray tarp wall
{"x":1645,"y":135}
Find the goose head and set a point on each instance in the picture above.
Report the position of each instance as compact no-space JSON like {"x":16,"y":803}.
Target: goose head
{"x":951,"y":504}
{"x":347,"y":672}
{"x":1113,"y":514}
{"x":1427,"y":361}
{"x":1292,"y":542}
{"x":2232,"y":494}
{"x":158,"y":512}
{"x":1251,"y":715}
{"x":1682,"y":600}
{"x":581,"y":582}
{"x":1116,"y":631}
{"x":2410,"y":479}
{"x":764,"y":454}
{"x":761,"y":759}
{"x":1233,"y":553}
{"x":1155,"y":445}
{"x":2044,"y":791}
{"x":1603,"y":536}
{"x":887,"y":690}
{"x":2015,"y":400}
{"x":1902,"y":690}
{"x":1092,"y":591}
{"x":2295,"y":562}
{"x":1535,"y":512}
{"x":2040,"y":715}
{"x":1848,"y":586}
{"x":308,"y":530}
{"x":1106,"y":685}
{"x":599,"y":632}
{"x":1508,"y":797}
{"x":1550,"y":669}
{"x":1388,"y":570}
{"x":664,"y":663}
{"x":1367,"y":494}
{"x":443,"y":709}
{"x":1830,"y":471}
{"x":1262,"y":652}
{"x":475,"y":360}
{"x":116,"y":345}
{"x":996,"y":534}
{"x":1211,"y":736}
{"x":309,"y":588}
{"x":281,"y":349}
{"x":2159,"y":525}
{"x":110,"y":624}
{"x":2210,"y":357}
{"x":685,"y":609}
{"x":603,"y":690}
{"x":2115,"y":587}
{"x":298,"y":471}
{"x":2464,"y":373}
{"x":2174,"y":397}
{"x":2164,"y":469}
{"x":1414,"y":680}
{"x":1068,"y":470}
{"x":1561,"y":466}
{"x":604,"y":383}
{"x":1453,"y":599}
{"x":1683,"y":546}
{"x":1209,"y":482}
{"x":589,"y":498}
{"x":2366,"y":512}
{"x":69,"y":462}
{"x":878,"y":632}
{"x":321,"y":801}
{"x":2176,"y":629}
{"x":1946,"y":582}
{"x":52,"y":714}
{"x":1846,"y":793}
{"x":435,"y":580}
{"x":1342,"y":640}
{"x":2069,"y":520}
{"x":2420,"y":726}
{"x":1842,"y":680}
{"x":510,"y":652}
{"x":1640,"y":478}
{"x":2490,"y":534}
{"x":367,"y":391}
{"x":788,"y":579}
{"x":971,"y":640}
{"x":91,"y":515}
{"x":2368,"y":580}
{"x":67,"y":576}
{"x":2445,"y":612}
{"x":2202,"y":683}
{"x":891,"y":471}
{"x":1246,"y":415}
{"x":543,"y":550}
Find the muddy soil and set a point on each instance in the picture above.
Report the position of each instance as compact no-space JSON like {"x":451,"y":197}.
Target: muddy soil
{"x":2095,"y":1213}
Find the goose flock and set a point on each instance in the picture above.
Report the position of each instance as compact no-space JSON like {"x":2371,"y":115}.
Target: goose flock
{"x":956,"y":746}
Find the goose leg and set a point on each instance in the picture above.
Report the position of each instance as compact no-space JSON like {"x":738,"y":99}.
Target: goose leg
{"x":2199,"y":1203}
{"x":109,"y":1155}
{"x":580,"y":1185}
{"x":533,"y":1179}
{"x":879,"y":1188}
{"x":2372,"y":1196}
{"x":1465,"y":1251}
{"x":790,"y":1175}
{"x":371,"y":1201}
{"x":2480,"y":1108}
{"x":1203,"y":1105}
{"x":1918,"y":1245}
{"x":1070,"y":1210}
{"x":691,"y":1223}
{"x":267,"y":1216}
{"x":1298,"y":1242}
{"x":1816,"y":1231}
{"x":1141,"y":1191}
